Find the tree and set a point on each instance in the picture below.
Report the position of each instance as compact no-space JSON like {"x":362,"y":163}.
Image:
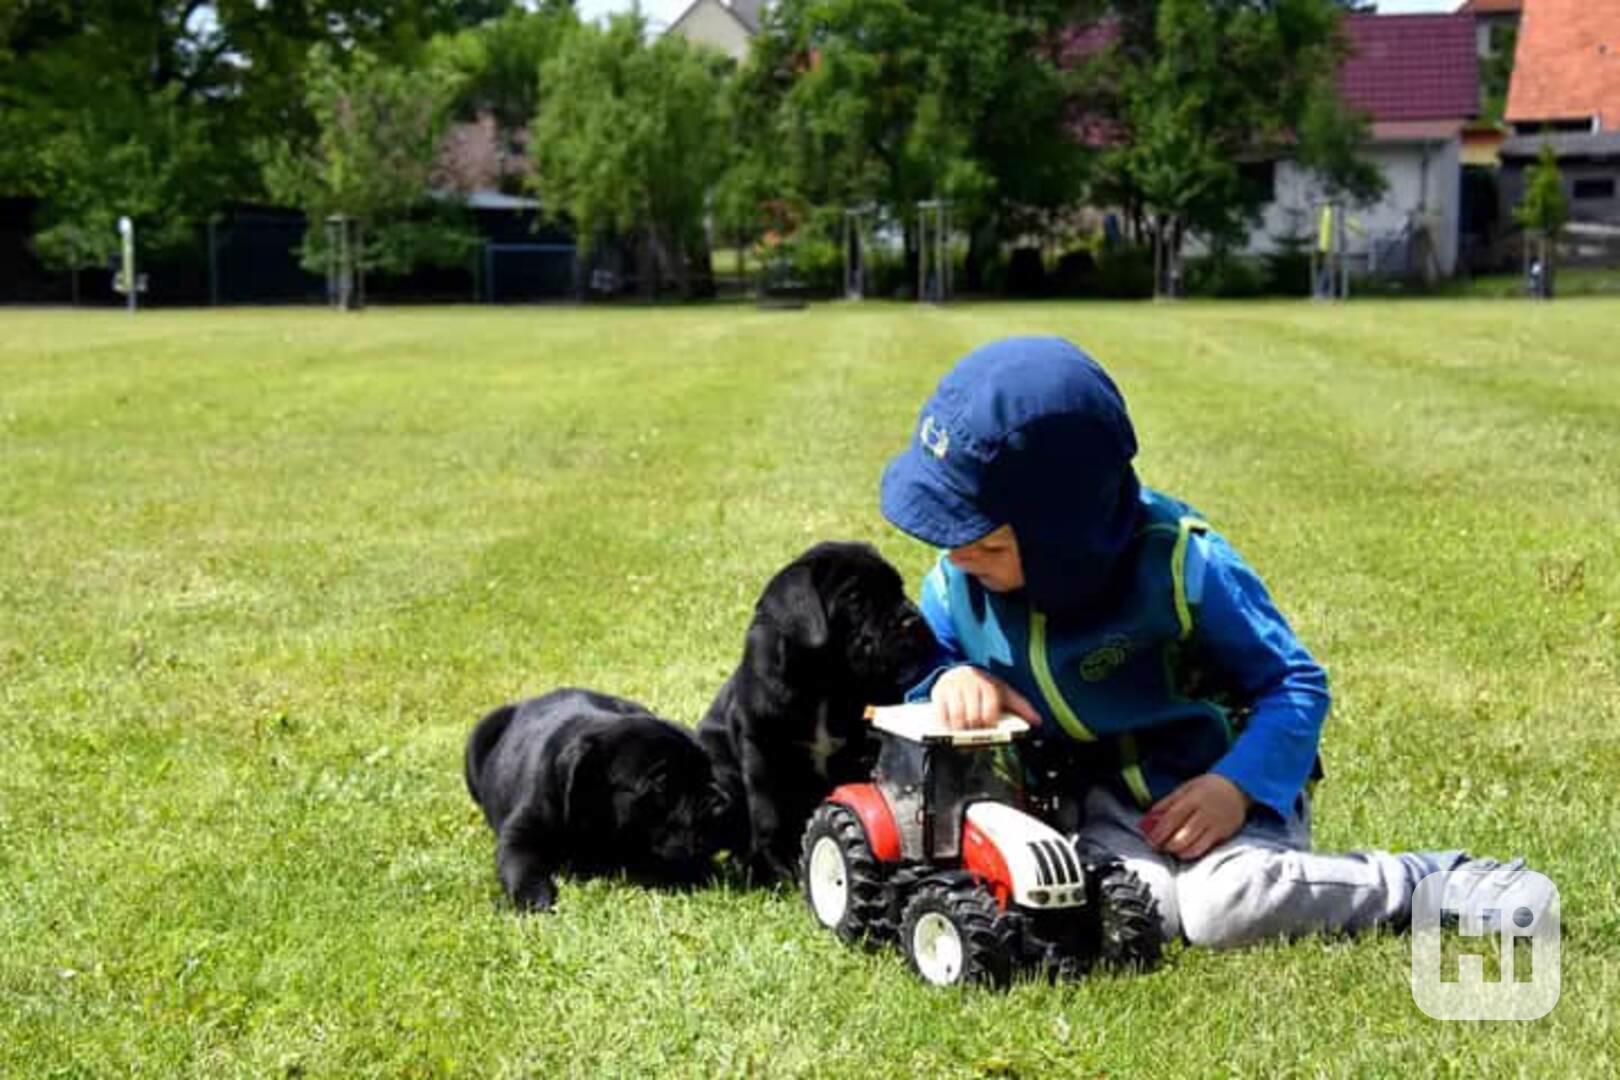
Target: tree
{"x":890,"y":102}
{"x":1544,"y":211}
{"x":109,"y":107}
{"x":630,"y":140}
{"x":498,"y":63}
{"x":104,"y":112}
{"x":1214,"y":84}
{"x":372,"y":160}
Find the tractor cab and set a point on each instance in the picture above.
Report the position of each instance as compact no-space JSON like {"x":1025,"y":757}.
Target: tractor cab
{"x":930,"y":773}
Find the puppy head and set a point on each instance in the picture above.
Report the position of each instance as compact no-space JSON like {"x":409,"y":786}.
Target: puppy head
{"x":841,"y":610}
{"x":645,"y":792}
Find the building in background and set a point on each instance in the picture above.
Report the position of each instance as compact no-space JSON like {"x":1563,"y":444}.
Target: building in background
{"x":1496,"y":24}
{"x":1566,"y":91}
{"x":727,"y":25}
{"x":1416,"y":77}
{"x":1567,"y":74}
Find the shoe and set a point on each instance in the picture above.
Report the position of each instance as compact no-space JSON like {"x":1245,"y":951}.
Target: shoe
{"x":1495,"y":892}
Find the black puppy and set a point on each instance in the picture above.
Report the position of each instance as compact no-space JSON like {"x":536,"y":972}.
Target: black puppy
{"x":832,"y":633}
{"x":593,"y":784}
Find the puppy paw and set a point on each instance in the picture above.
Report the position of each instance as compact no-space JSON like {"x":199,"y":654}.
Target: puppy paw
{"x":767,"y":869}
{"x":536,"y":896}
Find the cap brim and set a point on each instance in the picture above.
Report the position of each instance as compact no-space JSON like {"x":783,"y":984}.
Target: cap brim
{"x":917,"y":500}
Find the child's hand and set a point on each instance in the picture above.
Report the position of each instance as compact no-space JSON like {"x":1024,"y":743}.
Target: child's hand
{"x":1199,"y":814}
{"x":970,"y":698}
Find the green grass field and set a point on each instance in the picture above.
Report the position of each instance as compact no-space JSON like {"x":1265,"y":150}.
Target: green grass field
{"x":261,"y":571}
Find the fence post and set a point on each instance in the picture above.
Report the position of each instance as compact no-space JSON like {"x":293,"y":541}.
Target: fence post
{"x":213,"y":266}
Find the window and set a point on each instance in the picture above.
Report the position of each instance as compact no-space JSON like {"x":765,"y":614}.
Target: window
{"x":1582,"y":126}
{"x":1600,"y":187}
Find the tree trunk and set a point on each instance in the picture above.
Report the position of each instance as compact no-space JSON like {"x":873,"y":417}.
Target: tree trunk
{"x":981,"y":248}
{"x":683,"y":269}
{"x":913,"y":257}
{"x":648,"y":267}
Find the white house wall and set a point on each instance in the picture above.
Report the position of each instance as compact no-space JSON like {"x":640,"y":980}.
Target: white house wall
{"x":1420,"y":178}
{"x":707,"y":23}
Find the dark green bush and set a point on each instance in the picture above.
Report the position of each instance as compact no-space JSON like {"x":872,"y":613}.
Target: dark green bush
{"x":1124,"y":273}
{"x":1026,"y":273}
{"x":1225,"y":276}
{"x":1288,"y":273}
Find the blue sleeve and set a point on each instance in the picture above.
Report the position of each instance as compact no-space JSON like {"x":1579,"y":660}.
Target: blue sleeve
{"x":1245,"y":635}
{"x":936,"y":609}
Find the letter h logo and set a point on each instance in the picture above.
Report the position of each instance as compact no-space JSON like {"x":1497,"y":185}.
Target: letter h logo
{"x":1486,"y":945}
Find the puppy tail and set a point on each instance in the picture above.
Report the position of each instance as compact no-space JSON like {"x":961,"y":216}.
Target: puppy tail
{"x":482,"y":741}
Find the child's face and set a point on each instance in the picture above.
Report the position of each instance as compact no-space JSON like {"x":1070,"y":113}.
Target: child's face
{"x":992,"y":559}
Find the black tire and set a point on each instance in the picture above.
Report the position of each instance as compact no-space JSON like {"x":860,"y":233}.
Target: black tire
{"x":835,"y":833}
{"x":967,"y":915}
{"x":1130,"y":934}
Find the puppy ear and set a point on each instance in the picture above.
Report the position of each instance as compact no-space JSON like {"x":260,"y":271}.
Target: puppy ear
{"x":579,"y":768}
{"x":792,"y":604}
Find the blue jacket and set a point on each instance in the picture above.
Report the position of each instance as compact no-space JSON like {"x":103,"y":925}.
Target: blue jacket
{"x":1187,"y":668}
{"x":1151,"y":649}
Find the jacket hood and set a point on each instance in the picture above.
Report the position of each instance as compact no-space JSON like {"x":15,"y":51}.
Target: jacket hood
{"x":1032,"y":433}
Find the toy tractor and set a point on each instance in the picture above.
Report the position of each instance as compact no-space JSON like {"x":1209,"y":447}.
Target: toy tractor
{"x":933,"y":853}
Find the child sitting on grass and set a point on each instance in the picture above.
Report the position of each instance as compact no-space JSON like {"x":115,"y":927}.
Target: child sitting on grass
{"x":1177,"y":715}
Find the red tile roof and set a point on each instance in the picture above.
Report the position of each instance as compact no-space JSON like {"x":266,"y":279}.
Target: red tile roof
{"x":1491,"y":7}
{"x":1568,"y":63}
{"x":1412,"y":67}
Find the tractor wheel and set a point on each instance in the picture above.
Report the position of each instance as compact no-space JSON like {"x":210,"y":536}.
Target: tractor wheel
{"x":954,"y":935}
{"x":843,"y":882}
{"x":1130,"y":935}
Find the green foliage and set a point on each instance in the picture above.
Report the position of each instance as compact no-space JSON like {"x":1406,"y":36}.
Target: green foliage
{"x":1496,"y":73}
{"x":149,"y":162}
{"x":1544,"y":207}
{"x":104,"y":112}
{"x":1226,"y":277}
{"x":1331,"y":138}
{"x":110,"y":108}
{"x":1124,"y":273}
{"x":884,"y":103}
{"x":497,"y":65}
{"x":378,"y":128}
{"x":632,"y":137}
{"x":1200,"y":86}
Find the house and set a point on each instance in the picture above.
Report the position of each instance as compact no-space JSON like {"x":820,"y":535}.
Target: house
{"x":727,"y":25}
{"x":1566,"y":92}
{"x":1566,"y":76}
{"x":1416,"y":78}
{"x":1496,"y":22}
{"x":1496,"y":30}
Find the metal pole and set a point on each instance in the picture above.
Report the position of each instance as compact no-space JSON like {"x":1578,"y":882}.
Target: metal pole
{"x":847,"y":290}
{"x":1343,"y":241}
{"x":922,"y":257}
{"x":213,"y":267}
{"x":126,"y":229}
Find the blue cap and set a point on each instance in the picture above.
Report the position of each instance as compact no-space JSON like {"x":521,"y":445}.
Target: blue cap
{"x":1032,"y":433}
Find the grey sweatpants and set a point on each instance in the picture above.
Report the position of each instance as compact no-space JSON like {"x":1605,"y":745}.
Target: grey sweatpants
{"x":1265,"y":882}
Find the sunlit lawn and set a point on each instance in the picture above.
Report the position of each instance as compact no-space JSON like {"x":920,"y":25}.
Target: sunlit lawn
{"x":261,"y":571}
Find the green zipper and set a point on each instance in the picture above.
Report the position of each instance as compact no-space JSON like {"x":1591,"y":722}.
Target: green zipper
{"x":1043,"y":677}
